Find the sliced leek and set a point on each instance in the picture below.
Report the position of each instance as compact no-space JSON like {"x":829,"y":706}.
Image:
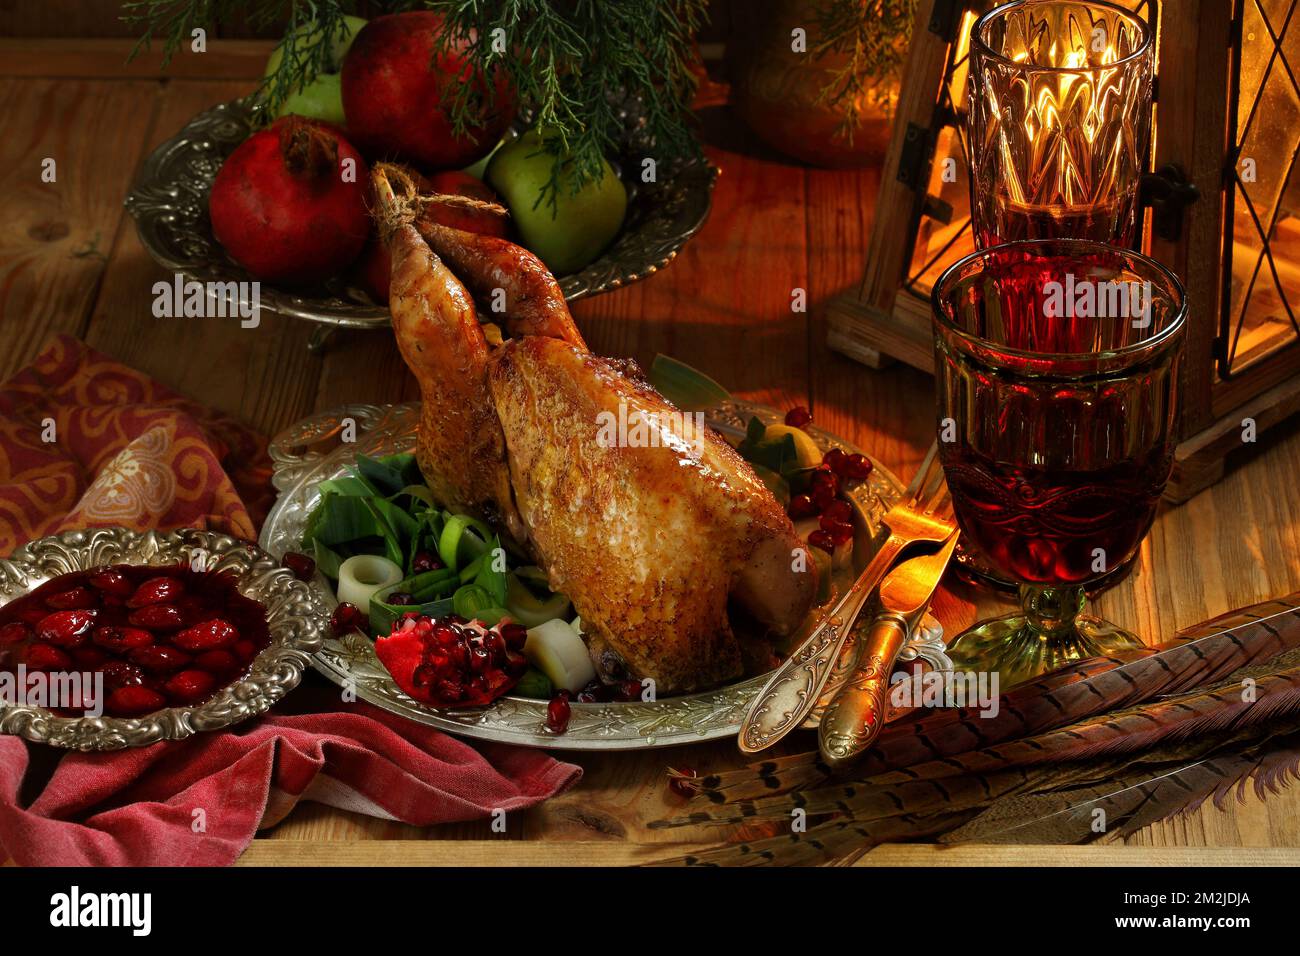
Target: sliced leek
{"x":361,"y":575}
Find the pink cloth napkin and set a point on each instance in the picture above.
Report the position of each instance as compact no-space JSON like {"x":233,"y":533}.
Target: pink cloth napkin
{"x":132,"y":452}
{"x":200,"y":801}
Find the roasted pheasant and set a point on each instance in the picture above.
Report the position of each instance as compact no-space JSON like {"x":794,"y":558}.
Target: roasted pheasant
{"x":650,"y":540}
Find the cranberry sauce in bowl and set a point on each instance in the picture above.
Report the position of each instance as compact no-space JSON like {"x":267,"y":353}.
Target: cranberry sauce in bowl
{"x":160,"y":636}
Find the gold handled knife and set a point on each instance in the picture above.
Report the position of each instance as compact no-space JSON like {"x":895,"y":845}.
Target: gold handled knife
{"x":855,"y":716}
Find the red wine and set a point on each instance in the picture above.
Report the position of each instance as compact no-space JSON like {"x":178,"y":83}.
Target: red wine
{"x":1054,"y":525}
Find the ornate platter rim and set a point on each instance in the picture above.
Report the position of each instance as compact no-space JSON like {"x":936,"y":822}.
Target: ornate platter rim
{"x":350,"y":662}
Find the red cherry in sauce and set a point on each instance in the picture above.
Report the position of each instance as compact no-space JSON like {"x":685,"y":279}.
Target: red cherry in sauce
{"x":159,"y":590}
{"x":159,"y":636}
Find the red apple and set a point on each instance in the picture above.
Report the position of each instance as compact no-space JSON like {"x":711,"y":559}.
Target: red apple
{"x":395,"y":92}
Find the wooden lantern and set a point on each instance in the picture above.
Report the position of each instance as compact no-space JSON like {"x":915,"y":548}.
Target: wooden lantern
{"x":1223,"y":197}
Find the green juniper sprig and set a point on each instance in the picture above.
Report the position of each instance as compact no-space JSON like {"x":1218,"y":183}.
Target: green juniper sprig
{"x":572,"y":63}
{"x":875,"y":34}
{"x":311,"y":28}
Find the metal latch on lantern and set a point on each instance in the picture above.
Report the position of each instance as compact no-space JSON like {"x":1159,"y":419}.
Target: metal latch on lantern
{"x":946,"y":17}
{"x":1168,"y":192}
{"x":914,"y":159}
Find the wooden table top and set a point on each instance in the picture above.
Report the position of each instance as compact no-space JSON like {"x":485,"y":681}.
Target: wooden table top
{"x":70,"y":262}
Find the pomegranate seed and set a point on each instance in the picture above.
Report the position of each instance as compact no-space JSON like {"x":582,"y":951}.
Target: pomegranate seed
{"x":858,"y":466}
{"x":823,"y":496}
{"x":134,"y":700}
{"x":303,"y":567}
{"x":424,"y":561}
{"x":399,"y":599}
{"x":216,"y":662}
{"x":628,"y":690}
{"x":66,"y":628}
{"x":679,"y":782}
{"x":47,"y":657}
{"x":190,"y":686}
{"x":515,"y":635}
{"x":346,"y":618}
{"x":13,"y":632}
{"x":822,"y":538}
{"x":160,"y":659}
{"x":111,"y":581}
{"x":245,"y":650}
{"x":801,"y":506}
{"x":161,"y":590}
{"x":799,"y":416}
{"x":76,"y":599}
{"x":558,"y":713}
{"x":121,"y":639}
{"x":840,"y":532}
{"x":157,"y":617}
{"x":209,"y":636}
{"x":836,"y":460}
{"x":121,"y":674}
{"x":838,"y":511}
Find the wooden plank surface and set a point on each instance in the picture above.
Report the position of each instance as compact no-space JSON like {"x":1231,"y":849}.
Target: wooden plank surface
{"x":725,"y":306}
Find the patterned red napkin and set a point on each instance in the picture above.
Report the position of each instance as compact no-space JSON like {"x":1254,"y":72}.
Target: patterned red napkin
{"x":85,"y":441}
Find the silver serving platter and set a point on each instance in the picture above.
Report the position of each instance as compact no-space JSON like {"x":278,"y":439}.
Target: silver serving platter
{"x":311,"y":451}
{"x":296,"y":615}
{"x":169,"y":204}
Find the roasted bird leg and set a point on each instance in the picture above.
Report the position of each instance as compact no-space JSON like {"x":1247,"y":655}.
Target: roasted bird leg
{"x":461,"y":449}
{"x":534,"y":304}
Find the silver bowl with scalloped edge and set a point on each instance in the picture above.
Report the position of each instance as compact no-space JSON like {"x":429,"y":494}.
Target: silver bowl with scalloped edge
{"x":297,"y":620}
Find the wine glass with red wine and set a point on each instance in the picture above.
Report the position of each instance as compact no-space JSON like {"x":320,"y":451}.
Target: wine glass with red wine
{"x":1057,"y":372}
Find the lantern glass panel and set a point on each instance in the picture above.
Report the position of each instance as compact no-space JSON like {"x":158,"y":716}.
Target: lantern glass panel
{"x":1262,"y":253}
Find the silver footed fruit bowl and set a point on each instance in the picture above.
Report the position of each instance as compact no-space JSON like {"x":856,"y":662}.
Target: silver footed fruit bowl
{"x":296,"y":619}
{"x":169,"y":204}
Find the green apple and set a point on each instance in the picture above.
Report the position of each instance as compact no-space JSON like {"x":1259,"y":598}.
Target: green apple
{"x":322,"y":98}
{"x":575,"y":229}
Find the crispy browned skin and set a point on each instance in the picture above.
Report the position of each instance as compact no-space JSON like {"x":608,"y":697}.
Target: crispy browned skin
{"x":533,"y":300}
{"x":461,"y":450}
{"x":648,"y":542}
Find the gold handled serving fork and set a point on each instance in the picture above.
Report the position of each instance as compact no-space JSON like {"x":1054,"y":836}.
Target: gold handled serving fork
{"x":924,"y":515}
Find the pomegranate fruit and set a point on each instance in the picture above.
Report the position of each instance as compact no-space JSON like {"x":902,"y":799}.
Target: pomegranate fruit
{"x":289,"y":204}
{"x":144,"y":665}
{"x":396,"y":88}
{"x":449,"y":661}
